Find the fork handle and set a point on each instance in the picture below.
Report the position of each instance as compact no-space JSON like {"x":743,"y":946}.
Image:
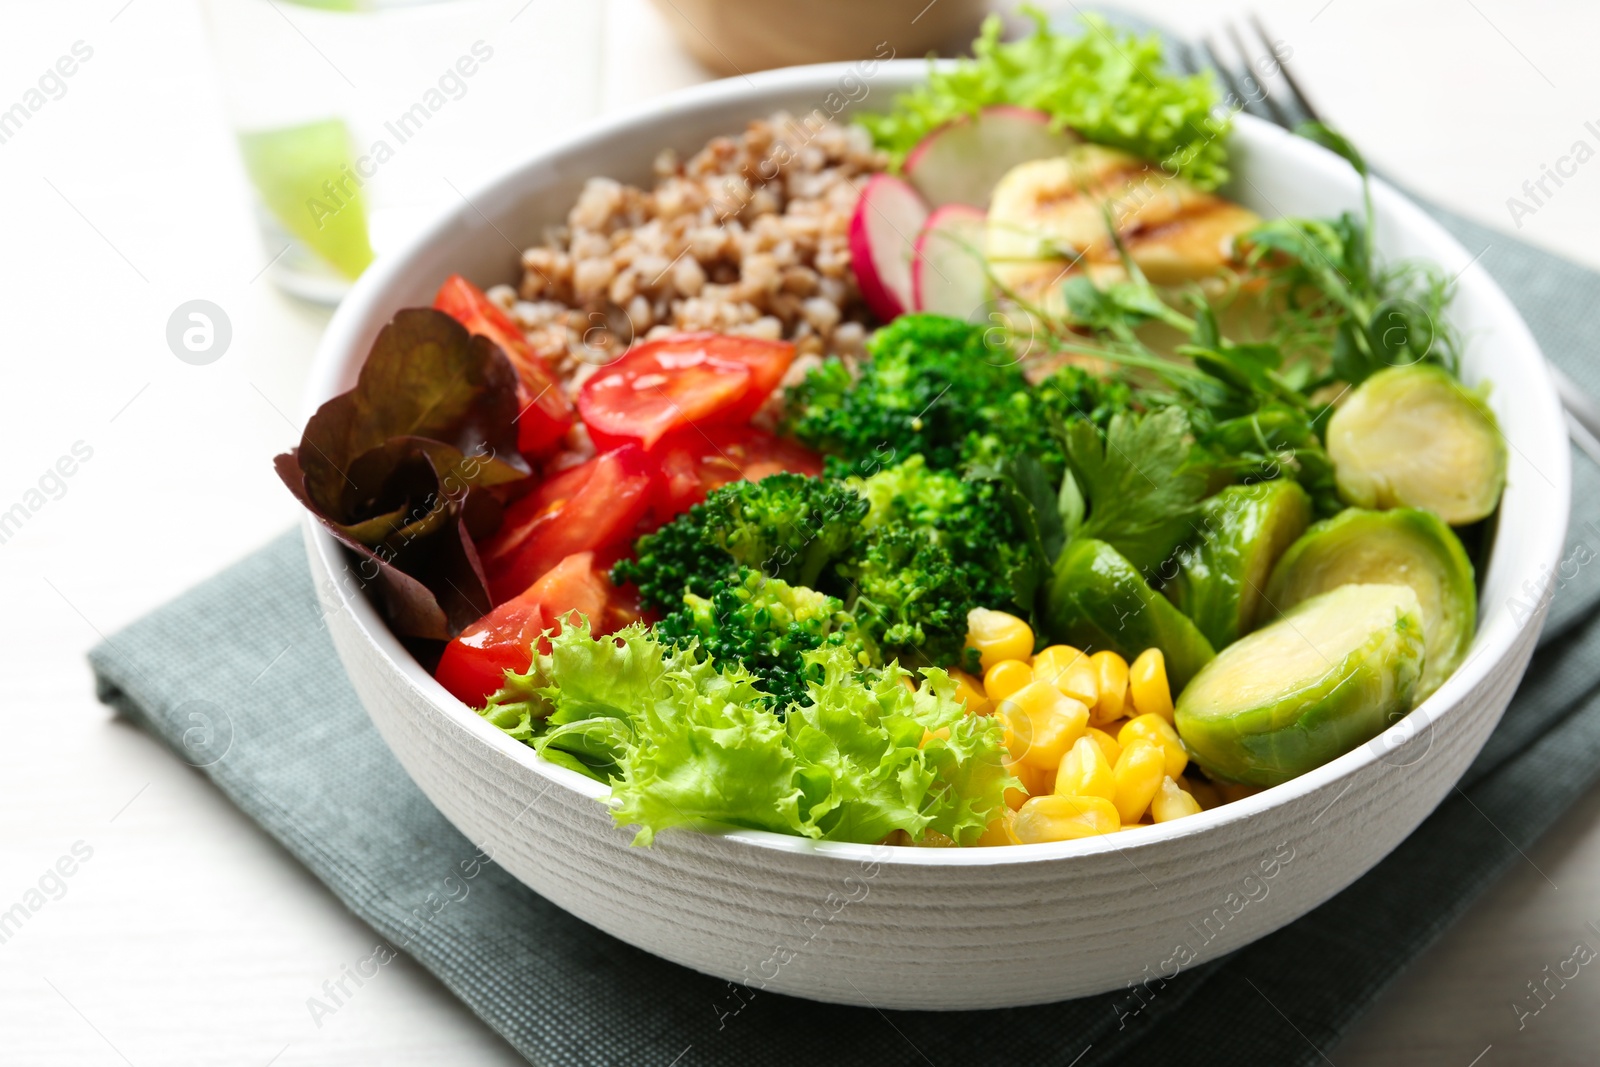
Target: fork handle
{"x":1583,"y":413}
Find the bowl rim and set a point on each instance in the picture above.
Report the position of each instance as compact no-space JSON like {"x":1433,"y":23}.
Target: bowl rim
{"x":1494,"y":640}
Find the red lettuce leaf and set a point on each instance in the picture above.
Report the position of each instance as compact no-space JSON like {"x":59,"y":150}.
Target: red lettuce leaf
{"x":399,"y":469}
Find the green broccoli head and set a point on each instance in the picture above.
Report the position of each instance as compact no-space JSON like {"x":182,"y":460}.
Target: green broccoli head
{"x":767,"y":625}
{"x":936,"y":546}
{"x":931,"y":381}
{"x":1027,"y":422}
{"x":787,"y":526}
{"x":944,"y":389}
{"x":911,"y":597}
{"x":1072,"y":392}
{"x":912,"y":492}
{"x":965,"y":517}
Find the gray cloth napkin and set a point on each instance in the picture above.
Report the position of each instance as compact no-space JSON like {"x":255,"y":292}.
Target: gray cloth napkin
{"x":239,"y":678}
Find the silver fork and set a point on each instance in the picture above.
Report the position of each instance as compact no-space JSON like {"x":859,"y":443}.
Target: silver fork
{"x":1261,"y":82}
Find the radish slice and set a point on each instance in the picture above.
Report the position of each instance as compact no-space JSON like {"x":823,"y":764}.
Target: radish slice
{"x":948,"y":275}
{"x":962,"y":161}
{"x":888,"y":218}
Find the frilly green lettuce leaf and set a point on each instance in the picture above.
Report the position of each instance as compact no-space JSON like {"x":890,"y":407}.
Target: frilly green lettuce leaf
{"x":1111,"y":86}
{"x":716,"y":756}
{"x":857,"y":745}
{"x":881,"y":750}
{"x":687,"y":743}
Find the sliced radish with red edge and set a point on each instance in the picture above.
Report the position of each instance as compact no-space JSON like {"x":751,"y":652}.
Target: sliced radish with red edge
{"x":948,"y":272}
{"x":888,"y":218}
{"x":962,"y":161}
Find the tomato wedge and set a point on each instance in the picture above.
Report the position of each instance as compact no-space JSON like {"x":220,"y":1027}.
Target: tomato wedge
{"x":671,"y":383}
{"x":696,"y":461}
{"x":474,"y":664}
{"x":545,"y":412}
{"x":592,"y":507}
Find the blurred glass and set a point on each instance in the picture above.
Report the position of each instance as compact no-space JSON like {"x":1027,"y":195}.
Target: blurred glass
{"x":357,"y":119}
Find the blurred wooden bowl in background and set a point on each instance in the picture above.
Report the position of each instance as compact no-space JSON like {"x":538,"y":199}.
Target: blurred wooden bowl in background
{"x":740,"y":36}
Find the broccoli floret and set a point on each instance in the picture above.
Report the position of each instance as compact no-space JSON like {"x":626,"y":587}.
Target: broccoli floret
{"x":767,"y":625}
{"x":1074,"y":392}
{"x":675,"y":559}
{"x":942,"y":388}
{"x":937,"y":546}
{"x":930,"y":382}
{"x":910,"y":596}
{"x":911,"y":492}
{"x":964,"y":517}
{"x":1027,"y":422}
{"x":788,"y":526}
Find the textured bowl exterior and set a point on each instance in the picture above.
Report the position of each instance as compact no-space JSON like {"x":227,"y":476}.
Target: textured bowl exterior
{"x":949,"y":928}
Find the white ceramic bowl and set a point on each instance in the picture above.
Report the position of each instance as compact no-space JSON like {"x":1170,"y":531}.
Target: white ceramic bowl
{"x":956,"y":928}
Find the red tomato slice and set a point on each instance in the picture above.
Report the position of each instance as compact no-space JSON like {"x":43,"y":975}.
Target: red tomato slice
{"x":666,"y":385}
{"x":545,"y":412}
{"x":767,"y":360}
{"x":474,"y":664}
{"x":588,"y":508}
{"x":695,"y":461}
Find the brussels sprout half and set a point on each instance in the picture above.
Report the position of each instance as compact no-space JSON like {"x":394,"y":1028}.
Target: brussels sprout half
{"x":1406,"y":546}
{"x":1222,"y":572}
{"x":1098,"y":600}
{"x":1413,"y":436}
{"x":1332,"y":673}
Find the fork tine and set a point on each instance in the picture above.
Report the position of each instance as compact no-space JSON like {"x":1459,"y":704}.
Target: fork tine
{"x":1297,"y":95}
{"x":1194,"y":63}
{"x":1226,"y":74}
{"x":1252,"y":74}
{"x":1182,"y":57}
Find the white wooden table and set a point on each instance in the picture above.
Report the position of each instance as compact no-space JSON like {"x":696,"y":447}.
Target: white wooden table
{"x":188,"y":937}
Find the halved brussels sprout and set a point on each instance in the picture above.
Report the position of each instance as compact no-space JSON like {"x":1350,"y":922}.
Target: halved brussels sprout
{"x":1406,"y":546}
{"x":1413,"y":436}
{"x":1098,"y":600}
{"x":1332,"y":673}
{"x":1223,"y":570}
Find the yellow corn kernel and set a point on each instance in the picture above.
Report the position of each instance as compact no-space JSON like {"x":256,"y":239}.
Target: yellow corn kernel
{"x":1108,"y":745}
{"x":1158,"y":731}
{"x":1035,"y":782}
{"x":1231,"y":791}
{"x":1111,"y":686}
{"x":1052,"y":661}
{"x":1084,"y":772}
{"x":999,"y":832}
{"x":1172,"y":803}
{"x":1059,"y":818}
{"x":1006,"y":677}
{"x":1068,"y":670}
{"x":1040,"y":724}
{"x":997,"y":636}
{"x":1147,"y":685}
{"x":970,"y":692}
{"x":1138,"y":775}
